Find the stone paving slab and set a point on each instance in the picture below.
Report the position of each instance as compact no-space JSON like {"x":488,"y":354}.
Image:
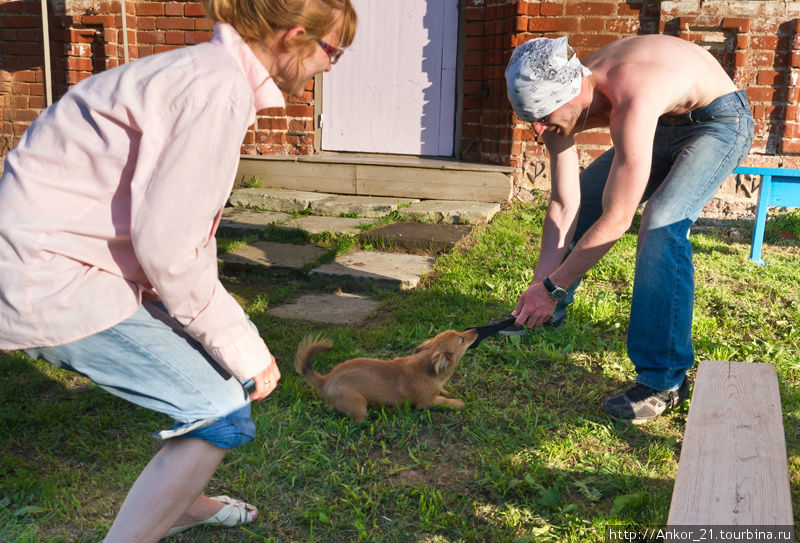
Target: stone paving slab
{"x":314,"y":224}
{"x":368,"y":269}
{"x":276,"y":199}
{"x":342,"y":308}
{"x":417,"y":236}
{"x":241,"y":221}
{"x":451,"y":211}
{"x":361,"y":206}
{"x":271,"y":256}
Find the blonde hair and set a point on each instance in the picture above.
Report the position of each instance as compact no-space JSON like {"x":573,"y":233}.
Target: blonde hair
{"x":258,"y":20}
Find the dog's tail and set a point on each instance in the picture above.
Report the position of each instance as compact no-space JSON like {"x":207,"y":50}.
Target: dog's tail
{"x":309,"y":346}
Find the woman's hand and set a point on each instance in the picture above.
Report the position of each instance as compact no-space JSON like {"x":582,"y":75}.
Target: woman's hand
{"x":534,"y":307}
{"x":266,"y":381}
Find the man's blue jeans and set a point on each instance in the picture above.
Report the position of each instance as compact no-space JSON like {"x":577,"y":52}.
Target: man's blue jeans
{"x":692,"y":156}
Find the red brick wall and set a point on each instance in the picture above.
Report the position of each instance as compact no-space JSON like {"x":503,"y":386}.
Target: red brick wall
{"x":758,"y":42}
{"x":86,"y":39}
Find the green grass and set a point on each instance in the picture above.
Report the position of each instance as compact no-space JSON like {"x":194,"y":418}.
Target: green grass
{"x":530,"y":458}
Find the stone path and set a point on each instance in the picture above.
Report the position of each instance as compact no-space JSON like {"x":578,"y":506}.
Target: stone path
{"x":404,"y":251}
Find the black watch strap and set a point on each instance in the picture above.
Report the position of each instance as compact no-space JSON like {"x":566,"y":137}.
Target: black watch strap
{"x":548,"y":284}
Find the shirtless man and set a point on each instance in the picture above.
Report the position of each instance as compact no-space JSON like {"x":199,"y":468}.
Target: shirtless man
{"x":679,"y":127}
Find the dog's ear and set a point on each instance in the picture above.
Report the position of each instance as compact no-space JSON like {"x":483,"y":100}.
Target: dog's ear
{"x":422,"y":346}
{"x":440,"y":361}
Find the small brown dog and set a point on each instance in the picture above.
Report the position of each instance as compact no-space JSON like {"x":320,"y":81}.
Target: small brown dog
{"x":360,"y":382}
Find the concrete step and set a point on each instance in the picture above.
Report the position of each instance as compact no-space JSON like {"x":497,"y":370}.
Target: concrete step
{"x":339,"y":308}
{"x":360,"y":270}
{"x":451,"y":211}
{"x":314,"y":224}
{"x":240,"y":221}
{"x":365,"y":270}
{"x":416,"y":237}
{"x":331,"y":205}
{"x":268,"y":256}
{"x":276,"y":199}
{"x":360,"y":206}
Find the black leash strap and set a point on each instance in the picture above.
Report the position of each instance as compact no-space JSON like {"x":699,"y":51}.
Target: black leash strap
{"x":491,"y":329}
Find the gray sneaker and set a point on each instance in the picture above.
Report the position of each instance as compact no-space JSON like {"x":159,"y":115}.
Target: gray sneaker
{"x":641,"y":404}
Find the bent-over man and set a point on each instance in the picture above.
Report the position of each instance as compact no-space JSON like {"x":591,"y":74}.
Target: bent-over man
{"x":679,"y":127}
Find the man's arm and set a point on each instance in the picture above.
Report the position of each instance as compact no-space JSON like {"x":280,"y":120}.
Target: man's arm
{"x":565,"y":199}
{"x":535,"y":305}
{"x":632,"y":132}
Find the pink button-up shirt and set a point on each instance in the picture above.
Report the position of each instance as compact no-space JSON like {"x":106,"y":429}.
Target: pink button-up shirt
{"x":115,"y":192}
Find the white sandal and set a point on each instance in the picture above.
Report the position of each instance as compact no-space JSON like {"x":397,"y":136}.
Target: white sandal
{"x":235,"y":513}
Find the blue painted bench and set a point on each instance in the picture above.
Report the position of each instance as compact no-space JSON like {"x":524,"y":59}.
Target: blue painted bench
{"x":779,"y":187}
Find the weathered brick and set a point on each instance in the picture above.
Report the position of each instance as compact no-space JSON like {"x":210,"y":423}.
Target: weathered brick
{"x":149,"y":8}
{"x":173,"y":37}
{"x":623,"y":26}
{"x":272,"y":123}
{"x":204,"y":24}
{"x":28,"y":76}
{"x":174,"y":23}
{"x":740,"y":24}
{"x":173,"y":9}
{"x":474,"y":44}
{"x":590,"y":8}
{"x":551,"y":8}
{"x":193,"y":9}
{"x":770,"y":77}
{"x":592,"y":41}
{"x":150,"y":37}
{"x":295,"y":110}
{"x":474,"y":29}
{"x":146,"y":23}
{"x":79,"y":64}
{"x":593,"y":24}
{"x":553,"y":24}
{"x":760,"y":94}
{"x":769,"y":43}
{"x":99,"y":20}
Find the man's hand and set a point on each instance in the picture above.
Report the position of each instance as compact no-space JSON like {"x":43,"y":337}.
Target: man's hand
{"x":266,"y":381}
{"x":534,"y":307}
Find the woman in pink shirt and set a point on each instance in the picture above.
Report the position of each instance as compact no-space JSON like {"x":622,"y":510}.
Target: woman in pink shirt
{"x":108,"y":267}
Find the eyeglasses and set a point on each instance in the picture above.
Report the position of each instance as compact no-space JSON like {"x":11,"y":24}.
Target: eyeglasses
{"x":334,"y":53}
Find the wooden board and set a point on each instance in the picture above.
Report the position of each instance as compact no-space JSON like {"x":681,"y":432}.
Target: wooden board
{"x":432,"y":180}
{"x":433,"y":184}
{"x":300,"y":176}
{"x":733,"y":468}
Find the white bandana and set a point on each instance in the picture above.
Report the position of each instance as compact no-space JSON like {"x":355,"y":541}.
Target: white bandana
{"x":541,"y":77}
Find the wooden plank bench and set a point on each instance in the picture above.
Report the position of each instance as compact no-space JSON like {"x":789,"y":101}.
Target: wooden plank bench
{"x":733,"y":468}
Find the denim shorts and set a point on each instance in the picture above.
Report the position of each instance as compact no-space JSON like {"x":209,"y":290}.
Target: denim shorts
{"x":150,"y":361}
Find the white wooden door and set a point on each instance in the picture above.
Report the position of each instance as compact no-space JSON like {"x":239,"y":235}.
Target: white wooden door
{"x":393,"y":91}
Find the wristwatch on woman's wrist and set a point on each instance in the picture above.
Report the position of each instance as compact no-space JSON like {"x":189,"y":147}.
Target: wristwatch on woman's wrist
{"x":556,"y":293}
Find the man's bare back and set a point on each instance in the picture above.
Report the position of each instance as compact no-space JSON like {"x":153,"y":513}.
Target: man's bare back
{"x":670,"y":75}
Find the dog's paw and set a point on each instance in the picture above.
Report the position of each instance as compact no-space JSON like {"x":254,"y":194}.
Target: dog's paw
{"x":455,"y":403}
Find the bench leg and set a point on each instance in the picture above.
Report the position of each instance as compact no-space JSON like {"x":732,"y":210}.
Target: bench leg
{"x":761,"y":220}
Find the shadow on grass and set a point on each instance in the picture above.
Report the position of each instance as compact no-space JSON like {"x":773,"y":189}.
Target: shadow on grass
{"x":531,"y":458}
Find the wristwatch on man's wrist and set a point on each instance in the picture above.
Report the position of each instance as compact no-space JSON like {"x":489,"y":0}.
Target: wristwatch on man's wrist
{"x":556,"y":293}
